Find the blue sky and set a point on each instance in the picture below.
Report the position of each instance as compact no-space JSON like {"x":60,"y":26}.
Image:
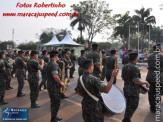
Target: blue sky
{"x":26,"y":28}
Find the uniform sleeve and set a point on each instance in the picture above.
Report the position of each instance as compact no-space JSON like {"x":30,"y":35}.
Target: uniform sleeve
{"x":55,"y":70}
{"x":99,"y":85}
{"x":135,"y":75}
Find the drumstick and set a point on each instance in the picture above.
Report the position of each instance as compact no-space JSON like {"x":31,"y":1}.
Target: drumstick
{"x":115,"y":64}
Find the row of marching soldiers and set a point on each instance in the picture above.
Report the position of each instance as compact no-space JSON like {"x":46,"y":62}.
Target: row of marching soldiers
{"x":52,"y":64}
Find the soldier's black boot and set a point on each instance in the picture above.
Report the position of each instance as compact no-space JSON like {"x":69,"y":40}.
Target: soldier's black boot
{"x":2,"y":101}
{"x":59,"y":118}
{"x":40,"y":87}
{"x":34,"y":105}
{"x":54,"y":119}
{"x":63,"y":96}
{"x":45,"y":86}
{"x":20,"y":94}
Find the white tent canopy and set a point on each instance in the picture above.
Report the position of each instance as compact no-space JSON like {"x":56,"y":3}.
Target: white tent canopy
{"x":52,"y":42}
{"x":68,"y":41}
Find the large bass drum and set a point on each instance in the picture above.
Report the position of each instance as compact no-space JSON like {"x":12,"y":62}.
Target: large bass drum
{"x":114,"y":102}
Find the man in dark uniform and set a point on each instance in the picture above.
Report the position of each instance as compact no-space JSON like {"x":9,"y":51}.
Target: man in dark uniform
{"x":33,"y":77}
{"x":92,"y":110}
{"x":94,"y":55}
{"x":53,"y":85}
{"x":60,"y":53}
{"x":14,"y":66}
{"x":151,"y":76}
{"x":81,"y":59}
{"x":73,"y":59}
{"x":103,"y":65}
{"x":131,"y":76}
{"x":20,"y":72}
{"x":125,"y":59}
{"x":44,"y":72}
{"x":110,"y":64}
{"x":8,"y":66}
{"x":67,"y":66}
{"x":3,"y":77}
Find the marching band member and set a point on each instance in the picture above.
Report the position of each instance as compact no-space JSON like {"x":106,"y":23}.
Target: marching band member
{"x":94,"y":55}
{"x":44,"y":72}
{"x":3,"y":77}
{"x":92,"y":110}
{"x":33,"y":77}
{"x":110,"y":65}
{"x":53,"y":85}
{"x":81,"y":59}
{"x":131,"y":76}
{"x":73,"y":59}
{"x":20,"y":72}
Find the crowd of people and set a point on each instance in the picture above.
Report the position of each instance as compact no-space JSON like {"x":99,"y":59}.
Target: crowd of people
{"x":94,"y":67}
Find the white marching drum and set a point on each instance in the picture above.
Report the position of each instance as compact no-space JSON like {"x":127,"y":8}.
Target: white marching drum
{"x":114,"y":101}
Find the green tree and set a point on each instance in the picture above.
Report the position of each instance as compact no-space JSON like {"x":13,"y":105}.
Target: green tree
{"x":80,"y":40}
{"x":104,"y":45}
{"x":60,"y":34}
{"x":122,"y":29}
{"x":45,"y":37}
{"x":4,"y":45}
{"x":28,"y":46}
{"x":98,"y":14}
{"x":81,"y":20}
{"x":145,"y":20}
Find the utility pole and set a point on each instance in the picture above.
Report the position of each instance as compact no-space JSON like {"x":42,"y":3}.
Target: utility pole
{"x":12,"y":34}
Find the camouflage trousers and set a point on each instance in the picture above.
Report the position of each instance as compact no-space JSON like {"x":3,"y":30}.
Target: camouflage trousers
{"x":97,"y":116}
{"x":55,"y":99}
{"x":132,"y":104}
{"x":152,"y":94}
{"x":44,"y":78}
{"x":72,"y":70}
{"x":20,"y":79}
{"x":2,"y":86}
{"x":34,"y":91}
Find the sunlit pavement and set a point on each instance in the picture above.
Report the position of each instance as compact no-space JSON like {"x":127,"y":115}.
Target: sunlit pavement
{"x":70,"y":109}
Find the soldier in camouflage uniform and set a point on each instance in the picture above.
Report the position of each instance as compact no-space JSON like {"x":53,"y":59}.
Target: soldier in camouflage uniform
{"x":67,"y":66}
{"x":60,"y":53}
{"x":53,"y":85}
{"x":94,"y":55}
{"x":109,"y":65}
{"x":3,"y":78}
{"x":131,"y":76}
{"x":103,"y":64}
{"x":43,"y":72}
{"x":26,"y":58}
{"x":81,"y":59}
{"x":33,"y":77}
{"x":125,"y":59}
{"x":151,"y":76}
{"x":14,"y":66}
{"x":93,"y":112}
{"x":8,"y":66}
{"x":73,"y":59}
{"x":20,"y":72}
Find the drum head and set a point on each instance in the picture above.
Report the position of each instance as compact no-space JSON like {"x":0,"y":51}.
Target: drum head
{"x":114,"y":100}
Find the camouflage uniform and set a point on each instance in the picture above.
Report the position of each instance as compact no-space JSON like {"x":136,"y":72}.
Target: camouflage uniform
{"x":109,"y":67}
{"x":26,"y":58}
{"x":81,"y":59}
{"x":53,"y":89}
{"x":73,"y":59}
{"x":3,"y":77}
{"x":66,"y":65}
{"x":20,"y":72}
{"x":96,"y":60}
{"x":93,"y":112}
{"x":33,"y":78}
{"x":103,"y":70}
{"x":131,"y":74}
{"x":44,"y":72}
{"x":8,"y":71}
{"x":151,"y":77}
{"x":14,"y":65}
{"x":125,"y":60}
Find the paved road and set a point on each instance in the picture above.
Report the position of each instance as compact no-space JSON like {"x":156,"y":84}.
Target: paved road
{"x":70,"y":108}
